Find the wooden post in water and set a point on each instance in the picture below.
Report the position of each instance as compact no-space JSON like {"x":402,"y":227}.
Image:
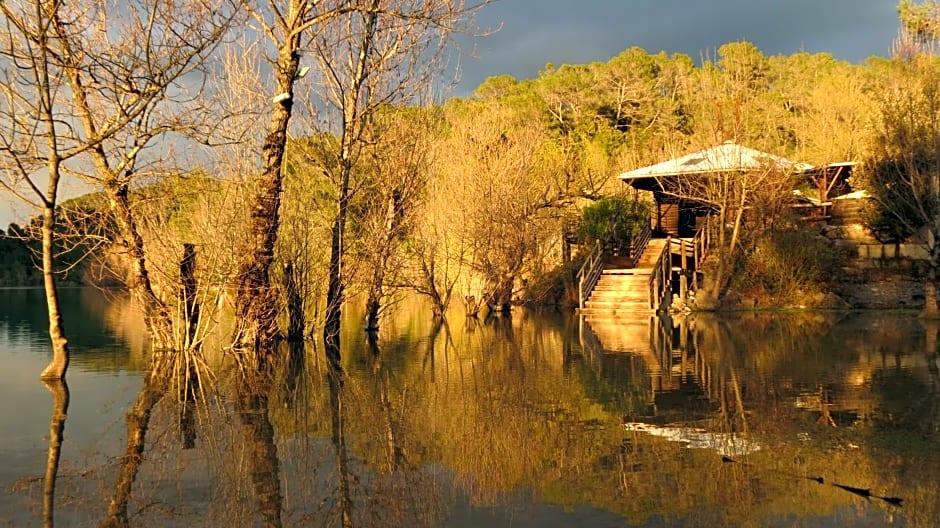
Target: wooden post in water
{"x":189,"y":385}
{"x":188,"y":283}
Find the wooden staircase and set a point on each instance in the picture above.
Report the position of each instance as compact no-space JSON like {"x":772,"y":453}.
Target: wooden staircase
{"x":622,"y":288}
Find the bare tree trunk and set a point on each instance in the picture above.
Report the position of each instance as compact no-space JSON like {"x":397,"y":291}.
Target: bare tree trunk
{"x":255,"y":302}
{"x":352,"y":126}
{"x":189,"y":287}
{"x":156,"y":316}
{"x":60,"y":345}
{"x":60,"y":409}
{"x":393,"y":218}
{"x":296,"y":318}
{"x":334,"y":292}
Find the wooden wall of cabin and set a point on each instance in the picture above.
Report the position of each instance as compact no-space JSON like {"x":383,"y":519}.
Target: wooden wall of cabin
{"x":674,"y":218}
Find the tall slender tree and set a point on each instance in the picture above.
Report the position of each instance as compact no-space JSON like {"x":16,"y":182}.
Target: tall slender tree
{"x":384,"y":52}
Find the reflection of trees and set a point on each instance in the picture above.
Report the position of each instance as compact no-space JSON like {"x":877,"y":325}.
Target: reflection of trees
{"x":505,"y":413}
{"x":338,"y":432}
{"x":253,"y":390}
{"x":60,"y":408}
{"x":138,"y":423}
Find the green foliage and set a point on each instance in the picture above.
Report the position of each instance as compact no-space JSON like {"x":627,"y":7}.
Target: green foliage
{"x":902,"y":171}
{"x":617,"y":218}
{"x":172,"y":201}
{"x":897,"y":213}
{"x":16,"y":263}
{"x":20,"y":248}
{"x":920,"y":19}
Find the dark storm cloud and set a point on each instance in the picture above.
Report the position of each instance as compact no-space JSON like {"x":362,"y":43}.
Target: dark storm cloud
{"x":535,"y":32}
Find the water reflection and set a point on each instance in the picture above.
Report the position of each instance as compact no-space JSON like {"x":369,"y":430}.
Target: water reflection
{"x":533,"y":420}
{"x":60,"y":408}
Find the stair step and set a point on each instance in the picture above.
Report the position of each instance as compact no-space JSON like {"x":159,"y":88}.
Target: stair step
{"x":609,"y":311}
{"x":637,"y":305}
{"x":617,"y":288}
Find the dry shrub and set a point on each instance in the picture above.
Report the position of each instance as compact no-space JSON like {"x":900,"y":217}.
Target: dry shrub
{"x":786,"y":266}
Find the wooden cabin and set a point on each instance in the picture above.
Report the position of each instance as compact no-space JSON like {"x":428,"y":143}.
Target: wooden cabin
{"x":668,"y":252}
{"x":678,"y":215}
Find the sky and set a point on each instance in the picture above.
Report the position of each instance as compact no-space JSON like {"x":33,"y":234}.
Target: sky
{"x":531,"y":33}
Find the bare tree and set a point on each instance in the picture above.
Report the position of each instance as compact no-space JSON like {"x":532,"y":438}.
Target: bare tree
{"x":286,"y":28}
{"x":400,"y":167}
{"x":729,"y":194}
{"x":384,"y":53}
{"x":87,"y":84}
{"x":497,"y":198}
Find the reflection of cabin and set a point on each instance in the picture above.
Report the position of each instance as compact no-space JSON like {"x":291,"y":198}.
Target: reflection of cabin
{"x":665,"y":258}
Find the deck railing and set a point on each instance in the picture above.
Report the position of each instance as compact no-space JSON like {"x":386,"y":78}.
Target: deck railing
{"x":661,"y":278}
{"x":639,"y":242}
{"x":701,"y":243}
{"x":590,"y":272}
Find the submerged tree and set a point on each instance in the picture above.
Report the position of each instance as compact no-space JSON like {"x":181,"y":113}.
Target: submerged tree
{"x":381,"y":53}
{"x":496,"y":200}
{"x":400,"y":166}
{"x":85,"y":86}
{"x":286,"y":28}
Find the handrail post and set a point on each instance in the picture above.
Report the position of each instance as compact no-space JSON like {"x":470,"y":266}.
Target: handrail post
{"x":581,"y":293}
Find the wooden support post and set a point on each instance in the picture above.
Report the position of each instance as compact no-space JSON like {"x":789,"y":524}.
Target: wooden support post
{"x":654,"y":293}
{"x":190,"y":387}
{"x":188,"y":293}
{"x":581,"y":293}
{"x":683,"y":286}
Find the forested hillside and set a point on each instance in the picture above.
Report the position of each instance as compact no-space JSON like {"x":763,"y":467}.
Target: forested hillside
{"x":472,"y":197}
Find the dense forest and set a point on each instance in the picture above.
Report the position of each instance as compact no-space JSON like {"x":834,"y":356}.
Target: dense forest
{"x":351,"y":181}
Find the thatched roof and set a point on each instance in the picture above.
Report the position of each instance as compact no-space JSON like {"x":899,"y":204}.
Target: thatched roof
{"x":727,"y":157}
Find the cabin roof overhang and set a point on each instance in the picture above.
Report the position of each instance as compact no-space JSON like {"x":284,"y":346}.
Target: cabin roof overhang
{"x":729,"y":157}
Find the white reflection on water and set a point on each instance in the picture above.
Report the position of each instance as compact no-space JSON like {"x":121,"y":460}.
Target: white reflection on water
{"x":727,"y":444}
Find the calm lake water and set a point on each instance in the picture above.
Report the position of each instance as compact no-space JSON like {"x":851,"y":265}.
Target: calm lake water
{"x":802,"y":420}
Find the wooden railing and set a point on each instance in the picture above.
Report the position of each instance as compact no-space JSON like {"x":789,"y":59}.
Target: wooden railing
{"x":661,"y":278}
{"x":639,"y":242}
{"x":691,"y":253}
{"x":701,"y":243}
{"x":590,"y":272}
